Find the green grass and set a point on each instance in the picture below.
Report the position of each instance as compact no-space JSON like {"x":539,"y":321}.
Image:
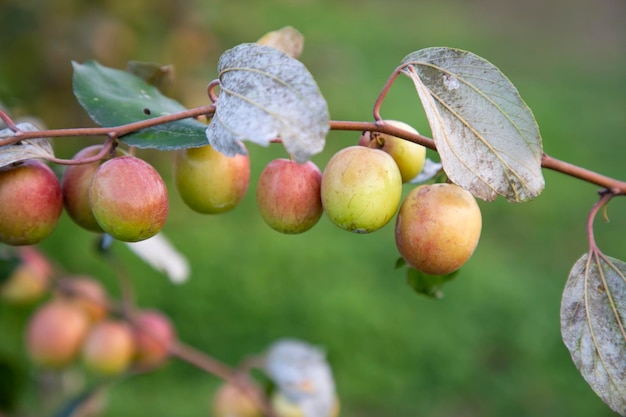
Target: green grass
{"x":491,"y":346}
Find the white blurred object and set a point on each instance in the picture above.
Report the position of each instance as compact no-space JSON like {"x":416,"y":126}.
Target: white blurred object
{"x":159,"y":253}
{"x":430,"y":170}
{"x":303,"y":377}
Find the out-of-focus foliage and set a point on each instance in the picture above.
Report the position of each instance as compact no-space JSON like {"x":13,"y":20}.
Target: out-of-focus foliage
{"x":491,"y":346}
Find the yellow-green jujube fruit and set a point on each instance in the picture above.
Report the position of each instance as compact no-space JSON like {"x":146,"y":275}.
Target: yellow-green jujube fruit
{"x":361,"y":189}
{"x":438,"y":228}
{"x":210,"y":182}
{"x":409,"y":156}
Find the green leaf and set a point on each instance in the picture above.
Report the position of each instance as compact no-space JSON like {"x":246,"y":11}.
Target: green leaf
{"x":429,"y":285}
{"x":487,"y":137}
{"x":113,"y":97}
{"x":593,"y":316}
{"x":266,"y":94}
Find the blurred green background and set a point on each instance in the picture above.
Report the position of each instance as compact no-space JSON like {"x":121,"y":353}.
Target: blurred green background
{"x":491,"y":346}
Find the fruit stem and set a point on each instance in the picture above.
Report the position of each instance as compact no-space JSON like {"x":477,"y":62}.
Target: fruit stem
{"x":211,"y":365}
{"x":614,"y":186}
{"x":605,"y":197}
{"x":111,"y":132}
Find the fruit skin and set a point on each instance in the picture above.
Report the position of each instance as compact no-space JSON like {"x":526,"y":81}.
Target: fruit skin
{"x":229,"y":401}
{"x":86,"y":293}
{"x":109,"y":347}
{"x":361,"y":189}
{"x":55,"y":333}
{"x":286,"y":408}
{"x":31,"y":202}
{"x":29,"y":280}
{"x":438,"y":228}
{"x":154,"y":335}
{"x":288,"y":195}
{"x":210,"y":182}
{"x":129,"y":199}
{"x":409,"y":156}
{"x":75,"y":184}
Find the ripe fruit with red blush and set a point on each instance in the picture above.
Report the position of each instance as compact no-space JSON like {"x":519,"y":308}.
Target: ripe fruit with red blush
{"x":438,"y":228}
{"x":129,"y":199}
{"x":31,"y":202}
{"x":288,"y":195}
{"x":55,"y":333}
{"x":75,"y":184}
{"x":154,"y":335}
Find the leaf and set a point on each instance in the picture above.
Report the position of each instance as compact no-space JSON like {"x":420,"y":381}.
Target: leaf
{"x":429,"y":285}
{"x":160,"y":76}
{"x":160,"y":254}
{"x":113,"y":97}
{"x":593,"y":314}
{"x":25,"y":149}
{"x":486,"y":135}
{"x":265,"y":94}
{"x":287,"y":39}
{"x":430,"y":170}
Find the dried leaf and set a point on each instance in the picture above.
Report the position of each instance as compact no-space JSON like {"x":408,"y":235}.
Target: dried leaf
{"x":486,"y":135}
{"x":25,"y":149}
{"x":593,"y":314}
{"x":266,"y":94}
{"x":287,"y":39}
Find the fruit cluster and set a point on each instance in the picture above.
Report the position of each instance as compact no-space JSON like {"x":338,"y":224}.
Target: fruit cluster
{"x":437,"y":227}
{"x":77,"y":322}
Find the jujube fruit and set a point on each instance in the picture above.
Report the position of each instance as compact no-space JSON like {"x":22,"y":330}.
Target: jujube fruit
{"x":438,"y":228}
{"x":109,"y":347}
{"x":210,"y":182}
{"x":361,"y":189}
{"x":55,"y":333}
{"x":288,"y":195}
{"x":31,"y":202}
{"x":129,"y":199}
{"x":75,"y":184}
{"x":409,"y":156}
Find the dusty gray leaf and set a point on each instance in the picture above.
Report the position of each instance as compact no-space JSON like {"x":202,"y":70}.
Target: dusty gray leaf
{"x":486,"y":135}
{"x":266,"y":94}
{"x":25,"y":149}
{"x":593,"y":314}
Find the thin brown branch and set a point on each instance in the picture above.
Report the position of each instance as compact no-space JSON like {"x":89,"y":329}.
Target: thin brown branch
{"x":211,"y":365}
{"x":616,"y":187}
{"x":112,"y":132}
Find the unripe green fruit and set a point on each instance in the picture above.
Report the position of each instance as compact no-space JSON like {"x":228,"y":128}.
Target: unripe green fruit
{"x":409,"y":156}
{"x":55,"y":333}
{"x":438,"y":228}
{"x":109,"y":347}
{"x":75,"y":184}
{"x":128,"y":198}
{"x":210,"y":182}
{"x":288,"y":195}
{"x":361,"y":189}
{"x":31,"y":202}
